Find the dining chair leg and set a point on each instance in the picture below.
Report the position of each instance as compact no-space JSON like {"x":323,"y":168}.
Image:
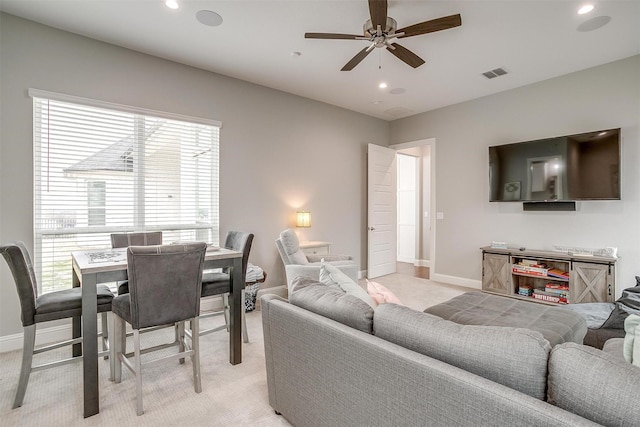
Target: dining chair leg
{"x":112,"y":345}
{"x":195,"y":355}
{"x":120,"y":346}
{"x":138,"y":369}
{"x":105,"y":333}
{"x":29,"y":342}
{"x":245,"y":335}
{"x":225,"y":304}
{"x":225,"y":301}
{"x":180,"y":339}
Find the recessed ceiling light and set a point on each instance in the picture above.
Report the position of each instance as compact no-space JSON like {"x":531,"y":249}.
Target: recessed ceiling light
{"x":172,"y":4}
{"x":585,"y":9}
{"x":209,"y":18}
{"x":382,"y":85}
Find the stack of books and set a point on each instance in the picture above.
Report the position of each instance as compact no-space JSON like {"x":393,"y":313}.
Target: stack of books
{"x":530,"y":267}
{"x":556,"y":272}
{"x":557,"y":289}
{"x":550,"y":296}
{"x":525,"y":290}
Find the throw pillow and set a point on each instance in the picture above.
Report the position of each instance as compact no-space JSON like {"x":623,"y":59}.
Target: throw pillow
{"x":332,"y":276}
{"x":628,"y":303}
{"x":632,"y":330}
{"x":380,"y":294}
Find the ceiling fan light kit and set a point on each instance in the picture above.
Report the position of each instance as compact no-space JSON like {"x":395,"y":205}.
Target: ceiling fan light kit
{"x":381,"y":30}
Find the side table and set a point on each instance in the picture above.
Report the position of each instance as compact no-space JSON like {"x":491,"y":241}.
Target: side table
{"x":316,"y":248}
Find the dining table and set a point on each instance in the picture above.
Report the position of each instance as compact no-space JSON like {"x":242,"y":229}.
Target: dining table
{"x":91,"y":267}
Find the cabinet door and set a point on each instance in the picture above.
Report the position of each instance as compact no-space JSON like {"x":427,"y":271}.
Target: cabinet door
{"x":590,"y":283}
{"x":496,"y":273}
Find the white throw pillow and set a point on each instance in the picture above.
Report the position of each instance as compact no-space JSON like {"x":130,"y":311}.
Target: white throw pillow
{"x":631,"y":349}
{"x":331,"y":275}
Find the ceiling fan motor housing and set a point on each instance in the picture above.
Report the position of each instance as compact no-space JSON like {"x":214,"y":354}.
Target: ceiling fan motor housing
{"x":389,"y":29}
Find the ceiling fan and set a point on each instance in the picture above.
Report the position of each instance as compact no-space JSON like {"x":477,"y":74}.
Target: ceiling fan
{"x":381,"y":30}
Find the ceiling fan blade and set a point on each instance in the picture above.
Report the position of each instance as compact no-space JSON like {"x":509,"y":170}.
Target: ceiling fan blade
{"x":356,"y":59}
{"x":331,"y":36}
{"x":378,"y":12}
{"x":404,"y":54}
{"x":431,"y":26}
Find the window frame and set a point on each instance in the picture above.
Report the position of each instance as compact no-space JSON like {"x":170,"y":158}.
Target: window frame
{"x":211,"y":228}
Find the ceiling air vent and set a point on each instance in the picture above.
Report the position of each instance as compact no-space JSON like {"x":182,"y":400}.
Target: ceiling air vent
{"x":495,"y":73}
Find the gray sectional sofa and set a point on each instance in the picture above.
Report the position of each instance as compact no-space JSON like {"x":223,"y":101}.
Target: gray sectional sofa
{"x":332,"y":360}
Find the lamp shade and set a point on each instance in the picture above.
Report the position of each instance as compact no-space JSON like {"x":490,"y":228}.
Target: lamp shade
{"x":303,"y":219}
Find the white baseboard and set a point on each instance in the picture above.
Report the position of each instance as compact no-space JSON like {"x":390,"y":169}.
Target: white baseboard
{"x":43,"y":336}
{"x":422,"y":263}
{"x":453,"y":280}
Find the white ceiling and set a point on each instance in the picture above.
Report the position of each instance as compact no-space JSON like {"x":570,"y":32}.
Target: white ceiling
{"x":533,"y":40}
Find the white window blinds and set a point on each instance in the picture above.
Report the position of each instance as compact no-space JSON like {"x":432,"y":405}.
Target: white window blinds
{"x":100,"y":168}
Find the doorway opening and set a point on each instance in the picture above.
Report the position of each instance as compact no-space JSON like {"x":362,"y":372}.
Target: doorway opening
{"x":382,"y":195}
{"x":415,"y":197}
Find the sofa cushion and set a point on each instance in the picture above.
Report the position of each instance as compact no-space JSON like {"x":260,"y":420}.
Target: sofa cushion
{"x":595,"y":313}
{"x":514,"y":357}
{"x":628,"y":303}
{"x":332,"y":276}
{"x":595,"y":385}
{"x":331,"y":302}
{"x":556,"y":324}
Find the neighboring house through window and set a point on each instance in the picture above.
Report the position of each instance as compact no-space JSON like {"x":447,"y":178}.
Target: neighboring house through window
{"x":96,"y":203}
{"x":101,"y":168}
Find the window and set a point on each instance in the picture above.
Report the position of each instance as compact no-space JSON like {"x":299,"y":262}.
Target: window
{"x":101,"y":168}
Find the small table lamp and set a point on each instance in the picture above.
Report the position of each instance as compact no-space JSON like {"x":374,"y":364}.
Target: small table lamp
{"x":303,"y":219}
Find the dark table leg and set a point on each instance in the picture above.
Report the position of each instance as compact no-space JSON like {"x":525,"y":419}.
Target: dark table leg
{"x":90,"y":345}
{"x":236,"y":303}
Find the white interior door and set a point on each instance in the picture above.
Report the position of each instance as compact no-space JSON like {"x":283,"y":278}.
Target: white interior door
{"x":381,"y":202}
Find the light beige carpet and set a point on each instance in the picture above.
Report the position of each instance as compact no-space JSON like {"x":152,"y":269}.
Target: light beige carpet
{"x":231,"y":395}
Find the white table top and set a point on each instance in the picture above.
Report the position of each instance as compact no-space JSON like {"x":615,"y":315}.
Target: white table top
{"x":101,"y":260}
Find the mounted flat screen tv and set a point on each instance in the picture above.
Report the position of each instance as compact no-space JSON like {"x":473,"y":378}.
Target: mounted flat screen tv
{"x":584,"y":166}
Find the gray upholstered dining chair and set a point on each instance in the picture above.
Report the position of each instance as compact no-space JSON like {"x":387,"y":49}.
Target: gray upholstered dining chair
{"x":165,"y":283}
{"x":43,"y":308}
{"x":124,"y":240}
{"x":219,"y":283}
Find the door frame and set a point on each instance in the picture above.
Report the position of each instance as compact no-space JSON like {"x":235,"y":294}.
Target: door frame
{"x":432,"y":194}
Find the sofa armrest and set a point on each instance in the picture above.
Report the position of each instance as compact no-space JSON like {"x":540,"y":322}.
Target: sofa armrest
{"x":313,"y":271}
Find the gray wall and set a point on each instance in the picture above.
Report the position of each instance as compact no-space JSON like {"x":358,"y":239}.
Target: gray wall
{"x":278,"y":151}
{"x":603,"y":97}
